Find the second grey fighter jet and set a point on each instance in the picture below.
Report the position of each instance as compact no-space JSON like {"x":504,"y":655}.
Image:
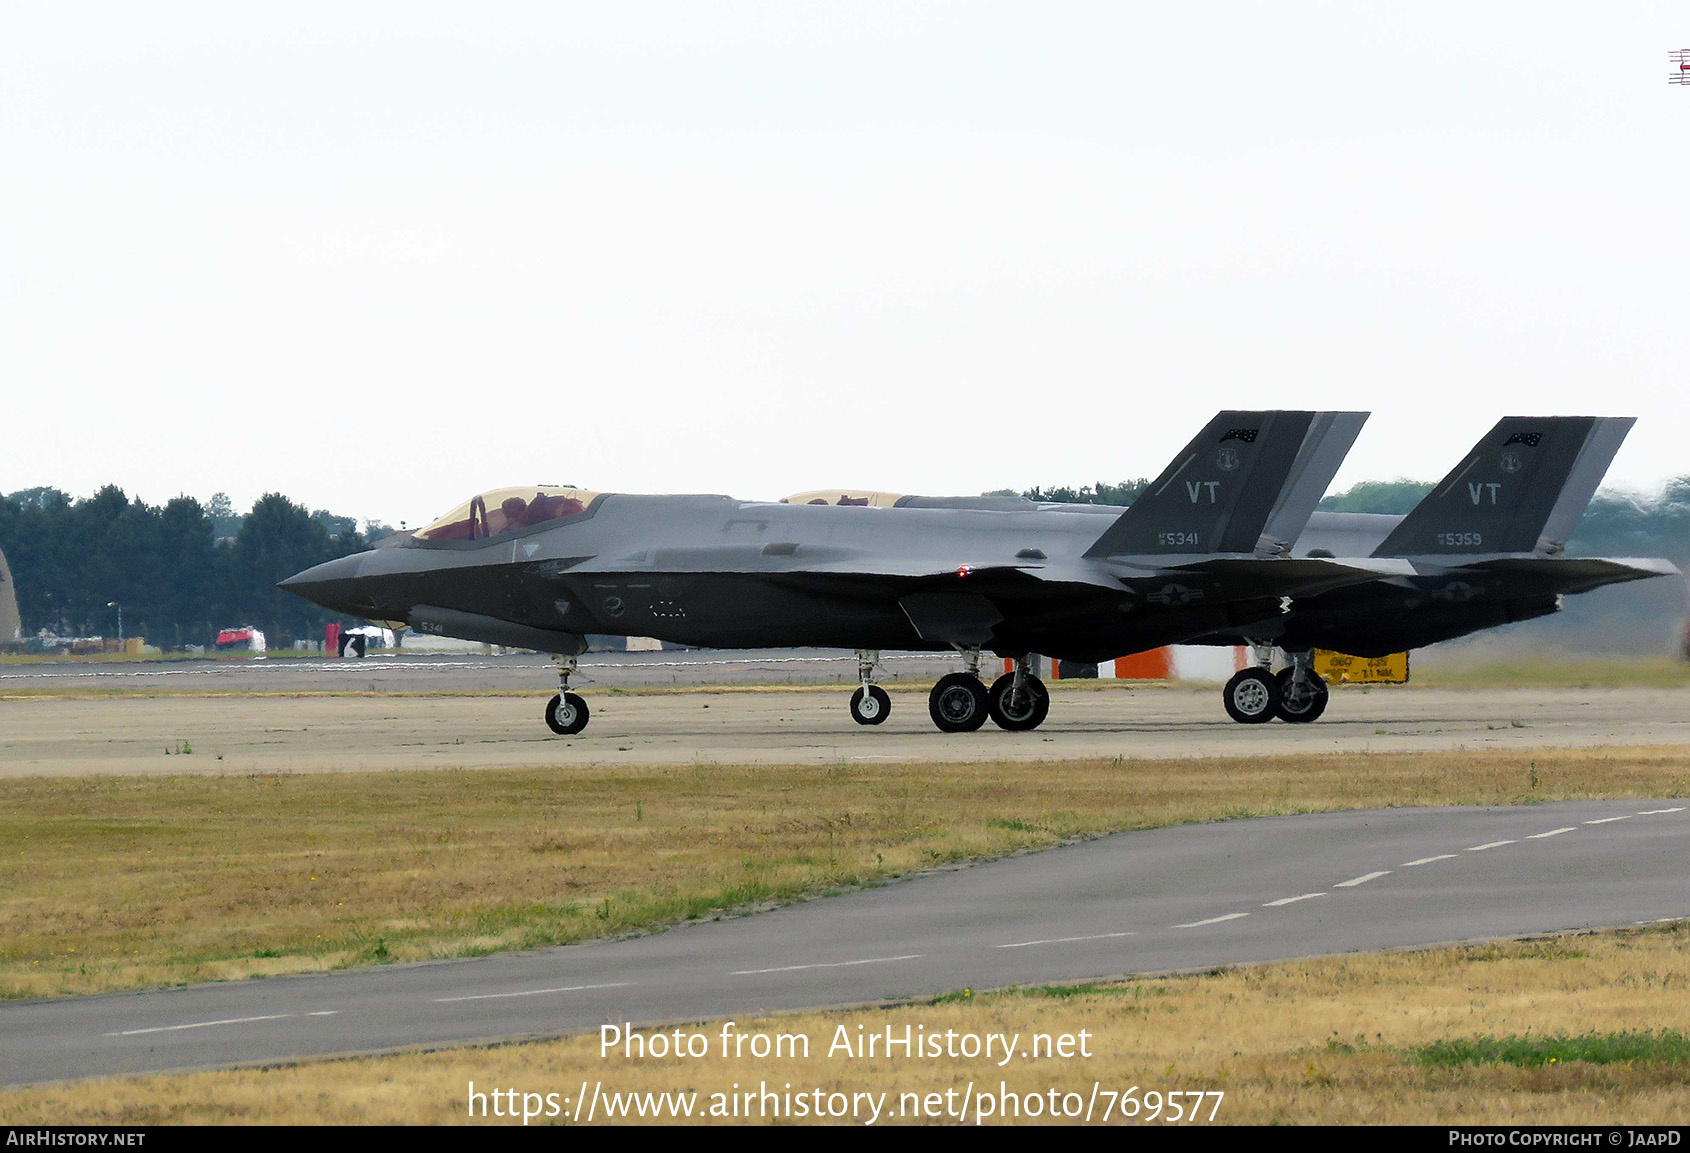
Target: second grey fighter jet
{"x":1205,"y":549}
{"x":1486,"y":547}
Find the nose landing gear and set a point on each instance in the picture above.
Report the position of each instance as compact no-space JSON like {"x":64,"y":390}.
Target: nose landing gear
{"x":869,"y":704}
{"x":566,"y":713}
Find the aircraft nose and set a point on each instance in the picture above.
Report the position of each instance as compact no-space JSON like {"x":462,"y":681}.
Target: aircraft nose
{"x":329,"y":584}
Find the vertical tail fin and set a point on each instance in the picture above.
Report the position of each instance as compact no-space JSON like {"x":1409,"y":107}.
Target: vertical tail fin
{"x":1522,"y":489}
{"x":1245,"y":484}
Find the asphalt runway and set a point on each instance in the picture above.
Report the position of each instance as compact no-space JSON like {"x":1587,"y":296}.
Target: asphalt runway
{"x":1148,"y":901}
{"x":401,"y":670}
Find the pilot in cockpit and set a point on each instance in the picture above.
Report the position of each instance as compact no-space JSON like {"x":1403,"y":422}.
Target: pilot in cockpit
{"x":512,"y":514}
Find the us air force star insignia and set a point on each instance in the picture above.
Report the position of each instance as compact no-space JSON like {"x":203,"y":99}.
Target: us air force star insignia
{"x":1226,"y":460}
{"x":1173,"y":594}
{"x":1510,"y":461}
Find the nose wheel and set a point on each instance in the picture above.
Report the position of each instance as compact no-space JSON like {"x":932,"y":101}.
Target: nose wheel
{"x":869,"y":704}
{"x":566,"y":713}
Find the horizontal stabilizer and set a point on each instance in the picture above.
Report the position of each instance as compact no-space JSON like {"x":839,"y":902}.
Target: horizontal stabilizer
{"x":1575,"y":574}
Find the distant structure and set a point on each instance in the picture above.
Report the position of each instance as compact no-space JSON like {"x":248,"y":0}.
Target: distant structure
{"x":10,"y":623}
{"x":1679,"y":60}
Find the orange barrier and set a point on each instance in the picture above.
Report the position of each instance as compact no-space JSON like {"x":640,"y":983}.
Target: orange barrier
{"x":1152,"y":665}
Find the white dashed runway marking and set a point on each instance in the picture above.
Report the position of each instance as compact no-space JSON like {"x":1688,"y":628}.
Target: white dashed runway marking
{"x":1362,"y":880}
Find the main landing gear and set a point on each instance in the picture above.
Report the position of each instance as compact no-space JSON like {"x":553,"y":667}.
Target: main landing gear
{"x":1302,"y":693}
{"x":566,"y":713}
{"x":1017,"y":701}
{"x":1257,"y":695}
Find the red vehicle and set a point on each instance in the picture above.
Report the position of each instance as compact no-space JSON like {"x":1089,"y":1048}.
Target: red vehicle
{"x":244,"y":639}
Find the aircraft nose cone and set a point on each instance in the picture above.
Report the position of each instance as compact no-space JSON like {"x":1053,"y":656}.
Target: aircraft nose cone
{"x":329,"y":584}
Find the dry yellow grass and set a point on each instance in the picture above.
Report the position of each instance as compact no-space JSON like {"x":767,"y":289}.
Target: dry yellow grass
{"x":1446,"y":671}
{"x":123,"y":882}
{"x":1322,"y":1041}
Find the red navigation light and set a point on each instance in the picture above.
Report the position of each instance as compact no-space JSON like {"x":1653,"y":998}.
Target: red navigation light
{"x":964,"y":570}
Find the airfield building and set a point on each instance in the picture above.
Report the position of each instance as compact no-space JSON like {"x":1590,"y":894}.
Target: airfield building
{"x":11,"y":626}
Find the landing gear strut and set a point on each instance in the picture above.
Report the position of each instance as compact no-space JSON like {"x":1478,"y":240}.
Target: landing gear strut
{"x":1019,"y":700}
{"x":958,"y":703}
{"x":566,"y":713}
{"x":1302,"y":693}
{"x":869,"y":705}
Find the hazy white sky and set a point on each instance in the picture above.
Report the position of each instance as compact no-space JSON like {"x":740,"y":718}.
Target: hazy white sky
{"x":380,"y":256}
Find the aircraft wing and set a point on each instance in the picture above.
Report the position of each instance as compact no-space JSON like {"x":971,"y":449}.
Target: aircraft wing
{"x":1245,"y":577}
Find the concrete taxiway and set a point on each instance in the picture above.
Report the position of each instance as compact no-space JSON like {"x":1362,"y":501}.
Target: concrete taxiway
{"x":1155,"y":900}
{"x":404,"y":711}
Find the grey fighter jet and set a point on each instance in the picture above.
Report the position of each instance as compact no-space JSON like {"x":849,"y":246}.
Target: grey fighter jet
{"x":1204,"y":550}
{"x":1486,"y":547}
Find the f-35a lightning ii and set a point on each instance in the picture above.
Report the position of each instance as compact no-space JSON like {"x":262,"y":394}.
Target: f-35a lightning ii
{"x":1204,"y":550}
{"x":1486,"y":547}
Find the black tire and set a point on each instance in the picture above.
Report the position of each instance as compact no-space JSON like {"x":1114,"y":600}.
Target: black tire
{"x":1251,"y":697}
{"x":870,"y":706}
{"x":1300,"y":706}
{"x":1033,"y":708}
{"x":566,"y":714}
{"x":958,"y":703}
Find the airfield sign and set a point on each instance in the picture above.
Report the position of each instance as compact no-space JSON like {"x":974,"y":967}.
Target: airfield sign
{"x":1341,"y":668}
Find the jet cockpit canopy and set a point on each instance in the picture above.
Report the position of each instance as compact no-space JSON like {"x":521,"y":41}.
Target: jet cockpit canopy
{"x":504,"y":510}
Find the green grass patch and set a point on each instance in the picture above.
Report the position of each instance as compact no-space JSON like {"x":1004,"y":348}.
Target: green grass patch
{"x":1668,"y":1046}
{"x":1067,"y":992}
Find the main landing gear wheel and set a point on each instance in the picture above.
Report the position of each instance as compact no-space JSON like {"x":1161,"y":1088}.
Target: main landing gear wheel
{"x":1251,"y":697}
{"x":1300,"y":703}
{"x":566,"y":714}
{"x":958,"y":703}
{"x":870,"y":705}
{"x":1018,"y":715}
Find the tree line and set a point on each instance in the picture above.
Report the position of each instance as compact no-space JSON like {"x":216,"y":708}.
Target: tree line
{"x":74,"y":561}
{"x":1615,"y":524}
